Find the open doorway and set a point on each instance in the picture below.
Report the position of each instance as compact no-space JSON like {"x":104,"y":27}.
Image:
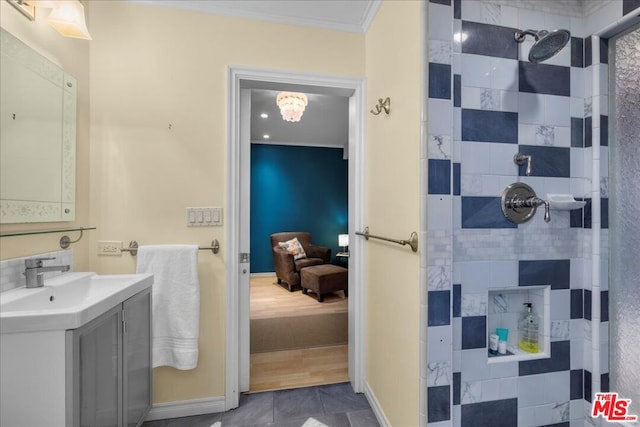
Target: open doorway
{"x":241,"y":83}
{"x":299,"y":193}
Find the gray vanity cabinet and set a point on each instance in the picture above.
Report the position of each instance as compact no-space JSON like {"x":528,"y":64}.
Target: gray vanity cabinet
{"x":137,"y":358}
{"x":110,"y":366}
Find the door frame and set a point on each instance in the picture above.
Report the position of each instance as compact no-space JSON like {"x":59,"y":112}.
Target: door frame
{"x":242,"y":77}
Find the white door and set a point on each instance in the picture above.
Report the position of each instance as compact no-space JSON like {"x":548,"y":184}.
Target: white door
{"x":244,"y":244}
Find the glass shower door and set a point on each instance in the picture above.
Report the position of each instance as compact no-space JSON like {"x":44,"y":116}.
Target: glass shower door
{"x":624,"y":218}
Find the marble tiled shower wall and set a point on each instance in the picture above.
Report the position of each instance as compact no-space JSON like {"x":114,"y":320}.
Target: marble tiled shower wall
{"x":487,"y":102}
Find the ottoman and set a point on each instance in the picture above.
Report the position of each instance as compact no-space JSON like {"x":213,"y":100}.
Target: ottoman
{"x":323,"y":279}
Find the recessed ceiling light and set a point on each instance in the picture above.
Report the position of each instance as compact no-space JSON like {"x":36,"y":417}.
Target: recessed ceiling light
{"x":264,"y":115}
{"x":265,"y":136}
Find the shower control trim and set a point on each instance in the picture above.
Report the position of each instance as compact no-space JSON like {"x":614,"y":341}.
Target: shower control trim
{"x":519,"y":203}
{"x":519,"y":160}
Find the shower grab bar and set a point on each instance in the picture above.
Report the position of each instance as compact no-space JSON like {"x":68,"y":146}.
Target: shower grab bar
{"x":412,"y":242}
{"x":133,"y":247}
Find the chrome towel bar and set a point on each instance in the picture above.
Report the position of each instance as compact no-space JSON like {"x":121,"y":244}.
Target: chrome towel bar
{"x":412,"y":242}
{"x":133,"y":247}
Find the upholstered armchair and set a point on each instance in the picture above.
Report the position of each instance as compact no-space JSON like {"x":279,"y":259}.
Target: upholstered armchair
{"x":288,"y":268}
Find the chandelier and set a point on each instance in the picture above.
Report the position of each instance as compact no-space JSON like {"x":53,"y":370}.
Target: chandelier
{"x":292,"y":105}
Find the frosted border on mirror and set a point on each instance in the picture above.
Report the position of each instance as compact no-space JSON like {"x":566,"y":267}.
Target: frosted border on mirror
{"x":28,"y":211}
{"x":624,"y":205}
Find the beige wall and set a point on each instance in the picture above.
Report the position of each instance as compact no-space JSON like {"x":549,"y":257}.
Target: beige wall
{"x":393,"y":68}
{"x":155,"y":67}
{"x":73,"y":56}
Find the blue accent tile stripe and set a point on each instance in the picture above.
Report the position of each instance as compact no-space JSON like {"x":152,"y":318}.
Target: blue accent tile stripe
{"x":587,"y":304}
{"x":555,"y":273}
{"x":604,"y":213}
{"x":489,"y":40}
{"x":577,"y":132}
{"x":457,"y":300}
{"x":544,"y":79}
{"x":456,"y":388}
{"x":560,"y":360}
{"x":439,"y":176}
{"x":439,"y":303}
{"x":604,"y":382}
{"x":439,"y":81}
{"x":576,"y":304}
{"x":456,"y":179}
{"x":495,"y":413}
{"x":604,"y":131}
{"x":575,"y":217}
{"x":489,"y":126}
{"x":576,"y":388}
{"x":457,"y":90}
{"x":604,"y":51}
{"x":629,"y":6}
{"x":439,"y":408}
{"x":548,"y":161}
{"x":604,"y":306}
{"x":474,"y":332}
{"x":457,"y":9}
{"x":484,"y":212}
{"x":577,"y":49}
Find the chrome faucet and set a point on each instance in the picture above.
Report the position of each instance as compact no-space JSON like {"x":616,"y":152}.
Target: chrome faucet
{"x":34,"y":269}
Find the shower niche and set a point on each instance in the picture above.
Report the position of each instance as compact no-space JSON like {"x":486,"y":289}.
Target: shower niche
{"x":504,"y":309}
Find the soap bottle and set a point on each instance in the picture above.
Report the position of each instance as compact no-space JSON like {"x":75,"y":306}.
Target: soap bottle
{"x":528,"y":328}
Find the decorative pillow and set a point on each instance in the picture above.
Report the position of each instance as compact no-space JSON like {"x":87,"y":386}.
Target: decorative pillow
{"x":294,"y":247}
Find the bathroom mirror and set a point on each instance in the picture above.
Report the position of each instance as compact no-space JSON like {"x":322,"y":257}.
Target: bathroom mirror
{"x":37,"y":136}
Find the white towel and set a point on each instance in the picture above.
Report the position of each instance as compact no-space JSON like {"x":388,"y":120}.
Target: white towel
{"x":176,"y":303}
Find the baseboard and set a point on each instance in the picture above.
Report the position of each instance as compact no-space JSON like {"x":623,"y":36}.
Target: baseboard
{"x":267,"y":274}
{"x":375,"y":406}
{"x":186,"y":408}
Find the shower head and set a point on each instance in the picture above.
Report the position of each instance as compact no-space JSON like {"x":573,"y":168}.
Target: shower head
{"x":547,"y":44}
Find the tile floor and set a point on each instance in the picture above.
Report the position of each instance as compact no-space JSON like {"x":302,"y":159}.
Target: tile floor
{"x":334,"y":405}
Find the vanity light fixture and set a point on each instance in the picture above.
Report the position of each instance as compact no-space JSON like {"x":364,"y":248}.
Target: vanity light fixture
{"x":266,"y":136}
{"x":292,"y":105}
{"x":67,"y":16}
{"x":28,"y":9}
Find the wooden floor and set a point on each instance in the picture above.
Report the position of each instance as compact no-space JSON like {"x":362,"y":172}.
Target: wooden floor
{"x":268,"y":299}
{"x":287,"y":369}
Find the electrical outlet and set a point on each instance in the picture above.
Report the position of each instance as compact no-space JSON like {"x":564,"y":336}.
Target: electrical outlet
{"x":109,"y":247}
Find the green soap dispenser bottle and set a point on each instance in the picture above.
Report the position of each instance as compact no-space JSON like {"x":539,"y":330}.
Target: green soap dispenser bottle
{"x":528,"y":328}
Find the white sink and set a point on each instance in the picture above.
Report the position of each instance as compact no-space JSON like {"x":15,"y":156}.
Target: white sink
{"x":67,"y":301}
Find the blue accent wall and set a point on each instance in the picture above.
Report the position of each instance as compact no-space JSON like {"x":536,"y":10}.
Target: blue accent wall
{"x":296,"y":189}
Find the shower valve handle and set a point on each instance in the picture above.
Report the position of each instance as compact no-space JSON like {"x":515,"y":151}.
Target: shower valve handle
{"x":519,"y":203}
{"x":519,"y":160}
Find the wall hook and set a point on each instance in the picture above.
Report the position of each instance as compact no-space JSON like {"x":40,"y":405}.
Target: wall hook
{"x":382,"y":105}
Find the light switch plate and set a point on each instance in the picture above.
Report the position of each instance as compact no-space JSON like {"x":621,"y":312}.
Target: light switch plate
{"x":204,"y":217}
